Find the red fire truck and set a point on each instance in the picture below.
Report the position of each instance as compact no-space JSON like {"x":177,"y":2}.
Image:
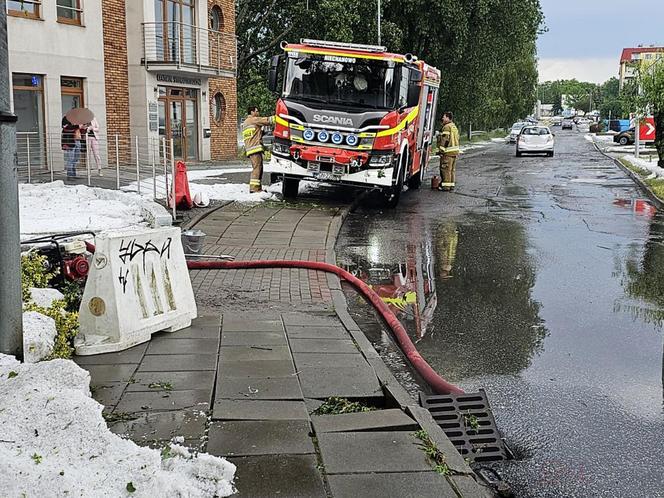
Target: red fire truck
{"x":351,"y":114}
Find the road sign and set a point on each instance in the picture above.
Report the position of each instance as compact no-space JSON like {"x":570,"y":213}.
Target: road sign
{"x":647,"y":130}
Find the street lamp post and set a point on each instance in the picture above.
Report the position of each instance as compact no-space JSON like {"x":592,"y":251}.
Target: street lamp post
{"x":11,"y":325}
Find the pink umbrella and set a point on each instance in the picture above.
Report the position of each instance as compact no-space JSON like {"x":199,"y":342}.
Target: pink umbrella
{"x":79,"y":116}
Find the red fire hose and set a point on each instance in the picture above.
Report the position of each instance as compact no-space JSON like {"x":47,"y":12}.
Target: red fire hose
{"x":437,"y":383}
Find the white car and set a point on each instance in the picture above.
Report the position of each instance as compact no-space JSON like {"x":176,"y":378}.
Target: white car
{"x":515,"y":130}
{"x":535,"y":139}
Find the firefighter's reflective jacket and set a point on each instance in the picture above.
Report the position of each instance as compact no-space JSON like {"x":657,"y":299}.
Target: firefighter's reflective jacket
{"x":448,"y":140}
{"x":252,"y":133}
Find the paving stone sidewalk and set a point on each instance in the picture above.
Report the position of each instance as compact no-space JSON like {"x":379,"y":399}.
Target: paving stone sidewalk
{"x":269,"y":347}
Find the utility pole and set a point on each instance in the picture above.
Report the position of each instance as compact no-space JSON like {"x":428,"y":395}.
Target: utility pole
{"x":378,"y":22}
{"x":11,"y":319}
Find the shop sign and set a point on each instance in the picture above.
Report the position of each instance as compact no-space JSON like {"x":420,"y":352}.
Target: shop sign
{"x":180,"y":80}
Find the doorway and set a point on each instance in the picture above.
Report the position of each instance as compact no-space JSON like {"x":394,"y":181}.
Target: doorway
{"x":178,"y":120}
{"x":29,"y":109}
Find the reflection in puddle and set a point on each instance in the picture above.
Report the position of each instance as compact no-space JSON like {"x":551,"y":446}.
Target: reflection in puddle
{"x":486,"y":321}
{"x":642,"y":277}
{"x":407,"y":287}
{"x":637,"y":206}
{"x":462,"y":290}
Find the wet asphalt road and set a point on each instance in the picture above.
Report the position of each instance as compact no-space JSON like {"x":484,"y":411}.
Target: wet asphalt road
{"x":541,"y":280}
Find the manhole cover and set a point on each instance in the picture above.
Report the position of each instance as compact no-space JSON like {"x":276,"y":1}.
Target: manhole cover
{"x":469,"y":424}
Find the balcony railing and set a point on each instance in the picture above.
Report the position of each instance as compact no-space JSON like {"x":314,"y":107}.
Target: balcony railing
{"x":185,"y":47}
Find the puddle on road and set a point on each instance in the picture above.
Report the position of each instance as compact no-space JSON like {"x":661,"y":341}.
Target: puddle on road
{"x":465,"y":289}
{"x":463,"y":292}
{"x":642,"y":271}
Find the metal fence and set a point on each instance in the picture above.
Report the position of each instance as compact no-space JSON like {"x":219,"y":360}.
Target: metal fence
{"x":144,"y":165}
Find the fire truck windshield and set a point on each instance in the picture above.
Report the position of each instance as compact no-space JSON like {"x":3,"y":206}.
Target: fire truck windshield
{"x":341,"y":80}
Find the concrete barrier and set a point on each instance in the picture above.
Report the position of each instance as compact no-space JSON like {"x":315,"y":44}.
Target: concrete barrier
{"x":138,"y":284}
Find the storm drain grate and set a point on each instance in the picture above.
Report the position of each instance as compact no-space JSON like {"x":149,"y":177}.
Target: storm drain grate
{"x":469,"y":424}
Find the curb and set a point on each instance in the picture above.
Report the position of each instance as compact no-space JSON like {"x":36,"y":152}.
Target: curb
{"x":637,"y":179}
{"x":156,"y":215}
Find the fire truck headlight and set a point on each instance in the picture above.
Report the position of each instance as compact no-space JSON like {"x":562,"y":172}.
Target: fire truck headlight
{"x":382,"y":161}
{"x":323,"y":136}
{"x":308,"y":134}
{"x":337,"y":138}
{"x":352,"y":140}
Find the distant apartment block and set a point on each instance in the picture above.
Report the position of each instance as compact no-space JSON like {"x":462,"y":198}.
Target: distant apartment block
{"x":632,"y":57}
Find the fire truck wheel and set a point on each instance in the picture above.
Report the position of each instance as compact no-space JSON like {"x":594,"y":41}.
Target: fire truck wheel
{"x":393,"y":194}
{"x":415,"y":181}
{"x":290,"y":187}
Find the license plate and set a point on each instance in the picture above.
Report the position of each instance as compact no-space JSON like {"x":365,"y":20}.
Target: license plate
{"x":326,"y":175}
{"x":314,"y":167}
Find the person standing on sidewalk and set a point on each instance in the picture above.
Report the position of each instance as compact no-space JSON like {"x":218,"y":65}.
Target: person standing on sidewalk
{"x":71,"y":146}
{"x":448,"y":146}
{"x":93,"y":142}
{"x":252,"y":134}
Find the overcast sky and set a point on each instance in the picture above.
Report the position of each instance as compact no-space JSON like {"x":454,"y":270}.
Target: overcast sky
{"x":586,"y":37}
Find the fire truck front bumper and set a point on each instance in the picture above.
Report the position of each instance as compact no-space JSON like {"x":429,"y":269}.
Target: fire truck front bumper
{"x":368,"y":178}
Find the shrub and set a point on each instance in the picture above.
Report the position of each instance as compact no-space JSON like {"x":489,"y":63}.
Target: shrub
{"x":66,"y":326}
{"x":34,"y":273}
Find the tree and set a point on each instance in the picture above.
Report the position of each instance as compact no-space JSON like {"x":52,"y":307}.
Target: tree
{"x":645,"y":95}
{"x":479,"y":45}
{"x":650,"y":97}
{"x":557,"y":104}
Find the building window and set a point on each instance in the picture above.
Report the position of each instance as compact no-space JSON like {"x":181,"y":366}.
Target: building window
{"x":218,"y":107}
{"x":28,"y":92}
{"x":176,"y":34}
{"x":71,"y":90}
{"x":70,"y":11}
{"x":648,"y":56}
{"x":24,"y":8}
{"x":216,"y":18}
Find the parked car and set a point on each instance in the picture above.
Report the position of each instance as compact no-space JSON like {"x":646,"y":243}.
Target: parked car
{"x":567,"y":124}
{"x":625,"y":138}
{"x":515,"y":130}
{"x":535,"y":139}
{"x":619,"y":125}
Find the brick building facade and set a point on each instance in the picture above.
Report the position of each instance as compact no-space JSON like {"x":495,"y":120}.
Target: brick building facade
{"x":224,"y":89}
{"x":116,"y":80}
{"x":148,"y":69}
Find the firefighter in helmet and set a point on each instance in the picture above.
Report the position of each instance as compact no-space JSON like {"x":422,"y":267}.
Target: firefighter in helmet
{"x":252,"y":134}
{"x":448,"y":145}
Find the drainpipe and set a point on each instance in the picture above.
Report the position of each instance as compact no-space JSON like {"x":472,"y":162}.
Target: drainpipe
{"x":11,"y":324}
